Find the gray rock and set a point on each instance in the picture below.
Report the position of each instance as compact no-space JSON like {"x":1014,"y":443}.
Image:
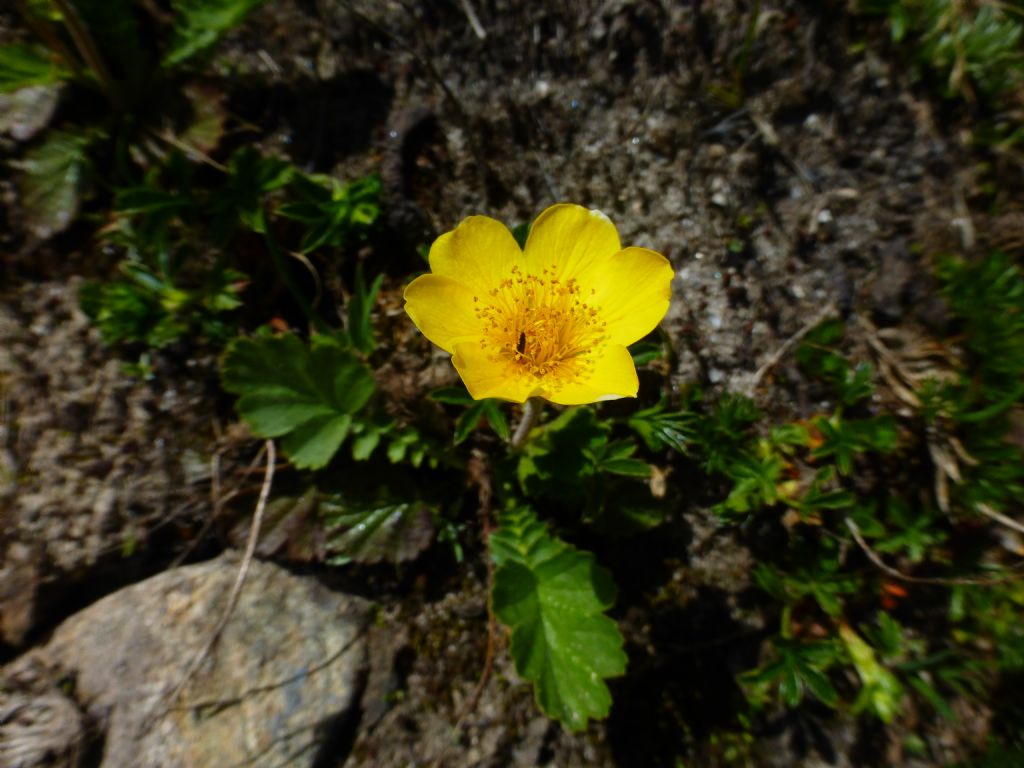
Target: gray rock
{"x":287,"y":669}
{"x":44,"y":730}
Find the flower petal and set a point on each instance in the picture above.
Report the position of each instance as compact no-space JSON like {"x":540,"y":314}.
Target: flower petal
{"x":478,"y":253}
{"x":442,"y":308}
{"x":613,"y":376}
{"x":485,"y":378}
{"x":572,"y":239}
{"x":632,"y":292}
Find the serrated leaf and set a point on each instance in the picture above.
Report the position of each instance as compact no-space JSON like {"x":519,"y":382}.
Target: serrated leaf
{"x":553,"y":597}
{"x":24,"y":113}
{"x":290,"y":529}
{"x":24,"y":66}
{"x":51,"y":182}
{"x":394,"y":533}
{"x":199,"y":23}
{"x":209,"y":115}
{"x":304,"y":395}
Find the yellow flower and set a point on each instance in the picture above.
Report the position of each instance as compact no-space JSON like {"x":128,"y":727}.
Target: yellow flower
{"x":550,"y":321}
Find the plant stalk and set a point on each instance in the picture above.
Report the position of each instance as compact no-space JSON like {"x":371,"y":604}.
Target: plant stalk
{"x":531,"y":412}
{"x":86,"y":46}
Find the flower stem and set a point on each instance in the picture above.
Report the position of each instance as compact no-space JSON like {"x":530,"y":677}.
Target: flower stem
{"x":531,"y":412}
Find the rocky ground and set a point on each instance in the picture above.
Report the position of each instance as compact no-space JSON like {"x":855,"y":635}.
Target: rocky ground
{"x":798,"y":196}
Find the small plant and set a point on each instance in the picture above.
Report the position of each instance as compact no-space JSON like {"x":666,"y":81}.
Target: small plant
{"x":976,"y":47}
{"x":93,"y":54}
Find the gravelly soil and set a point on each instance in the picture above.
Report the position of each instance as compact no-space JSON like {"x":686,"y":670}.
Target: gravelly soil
{"x":802,"y":193}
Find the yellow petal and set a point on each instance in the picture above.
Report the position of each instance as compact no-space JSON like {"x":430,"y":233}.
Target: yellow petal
{"x":484,"y":378}
{"x":478,"y":253}
{"x":572,"y":239}
{"x":612,"y":377}
{"x":632,"y":290}
{"x":442,"y":309}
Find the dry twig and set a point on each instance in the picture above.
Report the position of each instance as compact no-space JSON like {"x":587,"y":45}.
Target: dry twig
{"x":895,"y":573}
{"x":474,"y":20}
{"x":787,"y":346}
{"x":236,"y":589}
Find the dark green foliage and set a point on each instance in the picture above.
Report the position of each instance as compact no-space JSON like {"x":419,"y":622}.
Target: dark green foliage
{"x":100,"y":44}
{"x":820,"y":358}
{"x":476,"y":411}
{"x":359,"y":310}
{"x":332,"y":212}
{"x":971,"y":47}
{"x":725,"y":432}
{"x":661,"y":428}
{"x":796,"y":669}
{"x":147,"y":308}
{"x":25,"y":66}
{"x":987,"y":298}
{"x":571,"y":456}
{"x":843,"y":439}
{"x":997,"y":757}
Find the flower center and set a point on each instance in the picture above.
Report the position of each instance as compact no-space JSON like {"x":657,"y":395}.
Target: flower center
{"x":540,"y":326}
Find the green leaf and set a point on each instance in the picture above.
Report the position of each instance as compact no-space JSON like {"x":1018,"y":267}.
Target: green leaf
{"x":332,"y":212}
{"x":452,"y":396}
{"x":560,"y":462}
{"x":520,"y":232}
{"x":646,"y":352}
{"x":799,"y":667}
{"x":24,"y":113}
{"x":51,"y":182}
{"x":488,"y":409}
{"x":251,"y":176}
{"x":553,"y":597}
{"x":371,"y":533}
{"x":198,"y":24}
{"x":304,"y":395}
{"x":661,"y":428}
{"x":932,"y":696}
{"x":881,"y":692}
{"x":359,"y":309}
{"x":24,"y":66}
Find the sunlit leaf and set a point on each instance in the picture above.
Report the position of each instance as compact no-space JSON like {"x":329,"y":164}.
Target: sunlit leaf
{"x":51,"y":181}
{"x":881,"y":692}
{"x":198,"y":24}
{"x":304,"y":395}
{"x":553,"y":597}
{"x":371,"y":533}
{"x":24,"y":113}
{"x":24,"y":66}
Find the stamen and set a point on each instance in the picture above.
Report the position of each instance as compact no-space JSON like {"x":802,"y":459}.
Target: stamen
{"x":539,"y":326}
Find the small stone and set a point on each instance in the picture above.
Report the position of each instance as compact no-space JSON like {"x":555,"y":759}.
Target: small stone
{"x":287,"y":666}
